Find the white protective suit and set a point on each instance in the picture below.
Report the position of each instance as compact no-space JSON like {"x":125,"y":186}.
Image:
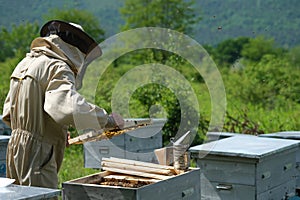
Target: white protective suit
{"x":40,"y":105}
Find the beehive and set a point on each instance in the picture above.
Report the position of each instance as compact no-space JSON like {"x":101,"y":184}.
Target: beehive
{"x":137,"y":144}
{"x":247,"y":168}
{"x":3,"y":146}
{"x":184,"y":186}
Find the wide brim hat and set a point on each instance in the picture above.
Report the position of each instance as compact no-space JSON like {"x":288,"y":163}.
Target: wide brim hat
{"x":74,"y":35}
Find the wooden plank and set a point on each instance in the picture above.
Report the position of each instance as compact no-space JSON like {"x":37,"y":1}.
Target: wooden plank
{"x":137,"y":168}
{"x":136,"y":173}
{"x":137,"y":163}
{"x":140,"y":163}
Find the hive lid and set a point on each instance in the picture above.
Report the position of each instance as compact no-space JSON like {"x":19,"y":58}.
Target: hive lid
{"x":241,"y":146}
{"x":4,"y":138}
{"x":295,"y":135}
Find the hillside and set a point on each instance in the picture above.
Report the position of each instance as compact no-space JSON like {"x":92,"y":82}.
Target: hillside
{"x":220,"y":19}
{"x":273,"y":18}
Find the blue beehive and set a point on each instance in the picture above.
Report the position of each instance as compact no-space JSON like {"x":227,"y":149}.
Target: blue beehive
{"x":3,"y":146}
{"x":4,"y":129}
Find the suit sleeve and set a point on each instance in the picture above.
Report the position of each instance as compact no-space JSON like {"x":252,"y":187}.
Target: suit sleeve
{"x":67,"y":107}
{"x":6,"y":111}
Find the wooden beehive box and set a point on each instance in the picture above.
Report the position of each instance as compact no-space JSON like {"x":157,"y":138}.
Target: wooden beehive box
{"x":247,"y":168}
{"x":184,"y":186}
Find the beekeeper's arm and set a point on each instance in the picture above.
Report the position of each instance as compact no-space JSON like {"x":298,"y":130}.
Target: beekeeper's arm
{"x":67,"y":107}
{"x":6,"y":111}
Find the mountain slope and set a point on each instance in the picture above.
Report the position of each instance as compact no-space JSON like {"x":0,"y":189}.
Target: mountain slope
{"x":231,"y":18}
{"x":220,"y":19}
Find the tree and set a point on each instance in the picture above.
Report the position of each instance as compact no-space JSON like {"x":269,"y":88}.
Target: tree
{"x":177,"y":15}
{"x":228,"y":51}
{"x":89,"y":22}
{"x":17,"y":41}
{"x":164,"y":99}
{"x":258,"y":47}
{"x":268,"y":83}
{"x":294,"y":56}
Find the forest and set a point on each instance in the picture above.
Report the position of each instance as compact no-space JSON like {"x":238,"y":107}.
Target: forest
{"x":260,"y":76}
{"x":220,"y":20}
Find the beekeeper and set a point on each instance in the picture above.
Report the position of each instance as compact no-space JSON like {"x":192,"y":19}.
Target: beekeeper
{"x":43,"y":102}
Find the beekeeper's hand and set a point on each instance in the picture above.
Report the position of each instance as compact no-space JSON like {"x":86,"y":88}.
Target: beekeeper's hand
{"x":68,"y":138}
{"x":115,"y":121}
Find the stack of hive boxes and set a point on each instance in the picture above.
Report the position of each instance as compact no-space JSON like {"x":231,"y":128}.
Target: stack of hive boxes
{"x":247,"y":167}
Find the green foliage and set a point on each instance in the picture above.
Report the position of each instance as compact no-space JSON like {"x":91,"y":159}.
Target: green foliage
{"x":269,"y":83}
{"x":232,"y":18}
{"x":228,"y":51}
{"x":174,"y":14}
{"x":272,"y":18}
{"x":157,"y":101}
{"x":294,"y":57}
{"x":242,"y":124}
{"x":154,"y":94}
{"x":263,"y":96}
{"x":6,"y":69}
{"x":88,"y":21}
{"x":256,"y":119}
{"x":17,"y":41}
{"x":177,"y":15}
{"x":72,"y":166}
{"x":256,"y":48}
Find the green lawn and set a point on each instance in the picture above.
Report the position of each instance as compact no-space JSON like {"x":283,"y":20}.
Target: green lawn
{"x":73,"y":165}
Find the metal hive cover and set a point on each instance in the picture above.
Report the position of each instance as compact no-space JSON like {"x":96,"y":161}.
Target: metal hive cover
{"x":295,"y":135}
{"x":4,"y":138}
{"x":244,"y":146}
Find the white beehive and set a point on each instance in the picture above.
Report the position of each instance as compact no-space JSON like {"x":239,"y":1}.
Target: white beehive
{"x":243,"y":167}
{"x":137,"y":144}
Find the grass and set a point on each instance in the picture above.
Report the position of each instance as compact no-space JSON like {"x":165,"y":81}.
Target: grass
{"x":73,"y":165}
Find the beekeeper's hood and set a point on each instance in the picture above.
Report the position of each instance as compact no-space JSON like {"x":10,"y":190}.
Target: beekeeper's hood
{"x":69,"y":42}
